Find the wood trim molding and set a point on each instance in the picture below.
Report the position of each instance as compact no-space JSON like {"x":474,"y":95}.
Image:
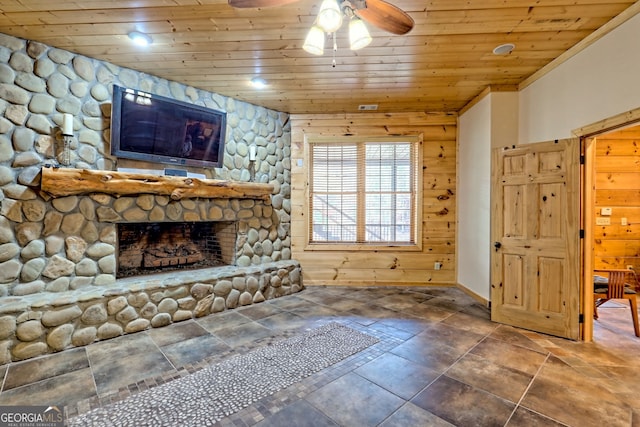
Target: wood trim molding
{"x":608,"y":124}
{"x":60,"y":182}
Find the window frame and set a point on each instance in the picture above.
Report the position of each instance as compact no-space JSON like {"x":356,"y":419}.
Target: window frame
{"x":417,"y":219}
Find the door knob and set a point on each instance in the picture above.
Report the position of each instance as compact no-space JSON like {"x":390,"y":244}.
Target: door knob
{"x":497,"y":245}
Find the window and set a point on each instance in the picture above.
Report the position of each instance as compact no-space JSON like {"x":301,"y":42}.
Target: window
{"x":364,"y":192}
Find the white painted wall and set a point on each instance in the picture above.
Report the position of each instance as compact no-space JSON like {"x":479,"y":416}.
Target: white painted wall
{"x":600,"y":82}
{"x":474,"y":173}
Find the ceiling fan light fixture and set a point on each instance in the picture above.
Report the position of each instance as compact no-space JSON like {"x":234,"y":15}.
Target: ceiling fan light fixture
{"x":141,"y":39}
{"x":314,"y":43}
{"x":330,"y":16}
{"x":359,"y":36}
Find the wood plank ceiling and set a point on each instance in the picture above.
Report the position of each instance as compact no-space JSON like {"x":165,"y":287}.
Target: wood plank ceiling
{"x":440,"y":65}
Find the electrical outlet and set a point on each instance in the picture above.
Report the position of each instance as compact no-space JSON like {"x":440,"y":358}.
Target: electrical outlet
{"x":605,"y":211}
{"x":437,"y":265}
{"x":623,"y":221}
{"x":603,"y":221}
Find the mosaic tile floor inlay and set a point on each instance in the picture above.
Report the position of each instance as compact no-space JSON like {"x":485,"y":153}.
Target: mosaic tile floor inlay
{"x":219,"y":390}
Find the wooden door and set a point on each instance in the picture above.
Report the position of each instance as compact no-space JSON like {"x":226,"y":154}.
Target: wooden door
{"x":535,"y":227}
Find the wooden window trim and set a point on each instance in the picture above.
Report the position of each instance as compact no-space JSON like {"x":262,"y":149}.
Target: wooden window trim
{"x":415,"y":246}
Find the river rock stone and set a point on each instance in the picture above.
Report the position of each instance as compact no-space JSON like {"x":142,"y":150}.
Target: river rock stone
{"x":28,"y":350}
{"x":9,"y":271}
{"x":109,"y":330}
{"x":8,"y":251}
{"x":116,"y":304}
{"x":84,"y":336}
{"x":29,"y":331}
{"x":58,"y":267}
{"x":60,"y":337}
{"x":59,"y":317}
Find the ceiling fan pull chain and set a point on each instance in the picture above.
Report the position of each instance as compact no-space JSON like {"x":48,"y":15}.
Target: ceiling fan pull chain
{"x":335,"y":49}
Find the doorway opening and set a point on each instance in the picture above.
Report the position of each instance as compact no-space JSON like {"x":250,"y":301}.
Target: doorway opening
{"x":610,"y":217}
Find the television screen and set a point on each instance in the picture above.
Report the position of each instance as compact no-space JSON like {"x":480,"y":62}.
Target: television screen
{"x":158,"y":129}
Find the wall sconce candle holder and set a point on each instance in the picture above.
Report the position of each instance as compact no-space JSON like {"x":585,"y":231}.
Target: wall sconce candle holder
{"x":252,"y":163}
{"x":67,"y":139}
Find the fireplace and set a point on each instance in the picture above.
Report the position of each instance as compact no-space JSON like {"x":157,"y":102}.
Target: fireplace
{"x":149,"y":248}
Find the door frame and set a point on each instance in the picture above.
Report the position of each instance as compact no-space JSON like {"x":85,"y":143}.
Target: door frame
{"x":588,"y":135}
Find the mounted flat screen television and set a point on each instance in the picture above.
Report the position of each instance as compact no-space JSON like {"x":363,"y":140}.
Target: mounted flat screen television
{"x":157,"y":129}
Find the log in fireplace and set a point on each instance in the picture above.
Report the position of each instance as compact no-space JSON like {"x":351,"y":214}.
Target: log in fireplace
{"x":148,"y":248}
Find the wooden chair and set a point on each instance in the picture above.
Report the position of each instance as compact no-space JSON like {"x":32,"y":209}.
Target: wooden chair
{"x":615,"y":284}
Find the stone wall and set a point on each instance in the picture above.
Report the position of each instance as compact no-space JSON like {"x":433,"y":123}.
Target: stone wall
{"x":63,"y":249}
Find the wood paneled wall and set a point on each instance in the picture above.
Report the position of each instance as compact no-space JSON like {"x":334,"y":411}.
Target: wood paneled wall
{"x":365,"y":267}
{"x":617,"y":186}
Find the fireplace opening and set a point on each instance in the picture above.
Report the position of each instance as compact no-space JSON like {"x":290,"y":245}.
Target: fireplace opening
{"x":148,"y":248}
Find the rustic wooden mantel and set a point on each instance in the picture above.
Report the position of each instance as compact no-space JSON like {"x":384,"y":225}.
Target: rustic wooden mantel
{"x":60,"y":182}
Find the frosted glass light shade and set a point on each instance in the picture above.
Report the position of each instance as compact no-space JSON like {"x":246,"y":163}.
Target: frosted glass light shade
{"x":314,"y":43}
{"x":330,"y":16}
{"x":359,"y":36}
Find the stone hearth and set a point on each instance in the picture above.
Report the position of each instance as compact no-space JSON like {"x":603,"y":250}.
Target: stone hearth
{"x":80,"y":299}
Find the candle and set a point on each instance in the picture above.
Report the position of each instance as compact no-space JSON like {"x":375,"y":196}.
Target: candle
{"x":252,"y":153}
{"x":67,"y":124}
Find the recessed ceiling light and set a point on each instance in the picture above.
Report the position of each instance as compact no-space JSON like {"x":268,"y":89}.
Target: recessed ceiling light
{"x":504,"y":49}
{"x":141,"y":39}
{"x":258,"y":82}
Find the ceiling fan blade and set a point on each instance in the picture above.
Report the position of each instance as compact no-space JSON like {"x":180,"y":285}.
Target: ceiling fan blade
{"x":386,"y":17}
{"x":243,"y":4}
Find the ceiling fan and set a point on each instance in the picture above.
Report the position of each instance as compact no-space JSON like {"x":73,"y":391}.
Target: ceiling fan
{"x":379,"y":13}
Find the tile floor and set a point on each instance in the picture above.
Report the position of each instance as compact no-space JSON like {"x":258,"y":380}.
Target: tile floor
{"x":439,"y":361}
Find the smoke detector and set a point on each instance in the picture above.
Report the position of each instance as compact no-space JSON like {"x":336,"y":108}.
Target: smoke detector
{"x":504,"y":49}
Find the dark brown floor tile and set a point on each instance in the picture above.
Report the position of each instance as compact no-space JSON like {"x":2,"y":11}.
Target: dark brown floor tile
{"x":33,"y":370}
{"x":290,"y":302}
{"x":478,"y":372}
{"x":324,"y":299}
{"x":220,"y":321}
{"x":471,"y":323}
{"x":314,"y":311}
{"x":113,"y":373}
{"x":390,"y":330}
{"x":244,"y":334}
{"x":286,"y":321}
{"x":59,"y":390}
{"x":344,"y":399}
{"x":576,"y":406}
{"x":432,"y":354}
{"x":412,"y":416}
{"x":177,"y":332}
{"x":299,"y":414}
{"x":401,"y":301}
{"x":259,"y":311}
{"x":374,"y":312}
{"x":119,"y":347}
{"x":429,"y":312}
{"x":193,"y":350}
{"x":398,"y":375}
{"x":451,"y":302}
{"x":511,"y":356}
{"x":463,"y":405}
{"x":413,"y":325}
{"x":460,"y":339}
{"x":525,"y":417}
{"x":513,"y":336}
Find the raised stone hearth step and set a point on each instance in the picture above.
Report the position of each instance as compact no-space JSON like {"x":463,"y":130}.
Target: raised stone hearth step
{"x":33,"y":325}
